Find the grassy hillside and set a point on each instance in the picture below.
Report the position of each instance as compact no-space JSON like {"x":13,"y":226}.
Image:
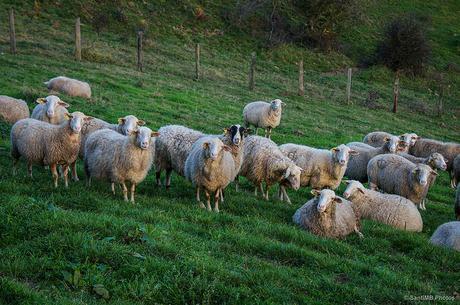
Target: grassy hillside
{"x":57,"y":244}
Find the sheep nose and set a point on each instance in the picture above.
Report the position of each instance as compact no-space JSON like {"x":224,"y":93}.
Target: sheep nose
{"x":237,"y":141}
{"x":346,"y":194}
{"x":342,"y":162}
{"x":145,"y":144}
{"x":50,"y":113}
{"x":423,"y":182}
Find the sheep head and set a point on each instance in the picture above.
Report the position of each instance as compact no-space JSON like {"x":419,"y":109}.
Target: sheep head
{"x":144,"y":137}
{"x":353,"y":187}
{"x":437,"y":161}
{"x":213,"y":148}
{"x":276,"y":105}
{"x":409,"y":138}
{"x":341,"y":154}
{"x":76,"y":120}
{"x":392,"y":144}
{"x":236,"y":133}
{"x":325,"y":198}
{"x":421,"y":173}
{"x":292,"y":175}
{"x":129,"y":124}
{"x":51,"y":104}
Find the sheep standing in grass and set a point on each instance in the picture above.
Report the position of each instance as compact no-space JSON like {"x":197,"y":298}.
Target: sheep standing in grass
{"x":456,"y":171}
{"x":328,"y":215}
{"x":395,"y":175}
{"x":263,"y":115}
{"x":357,"y":165}
{"x":47,"y":144}
{"x":69,"y":86}
{"x":12,"y":110}
{"x":119,"y":159}
{"x":263,"y":161}
{"x":447,"y":235}
{"x":51,"y":110}
{"x":389,"y":209}
{"x":377,"y":139}
{"x":210,"y":166}
{"x":449,"y":150}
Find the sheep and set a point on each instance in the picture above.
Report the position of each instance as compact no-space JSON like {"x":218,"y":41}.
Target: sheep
{"x":457,"y":203}
{"x":377,"y":139}
{"x":328,"y":215}
{"x":263,"y":115}
{"x":322,"y":168}
{"x":447,"y":235}
{"x":171,"y":150}
{"x":112,"y":156}
{"x":395,"y":175}
{"x":51,"y":110}
{"x":357,"y":165}
{"x":456,"y":171}
{"x":12,"y":110}
{"x":449,"y":150}
{"x":47,"y":144}
{"x":210,"y":166}
{"x":69,"y":86}
{"x":263,"y":161}
{"x":389,"y":209}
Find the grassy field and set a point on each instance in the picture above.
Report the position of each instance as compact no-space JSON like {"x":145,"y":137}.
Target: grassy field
{"x":86,"y":246}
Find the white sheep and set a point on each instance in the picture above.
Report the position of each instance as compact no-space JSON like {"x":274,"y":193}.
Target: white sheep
{"x":389,"y":209}
{"x":447,"y":235}
{"x":13,"y":110}
{"x":263,"y":161}
{"x":121,"y":159}
{"x":47,"y":144}
{"x":328,"y":215}
{"x":51,"y":110}
{"x":69,"y":86}
{"x":377,"y":139}
{"x":395,"y":175}
{"x":263,"y":115}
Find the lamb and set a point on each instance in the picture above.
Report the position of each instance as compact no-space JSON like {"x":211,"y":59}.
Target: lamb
{"x":395,"y":175}
{"x":449,"y":150}
{"x":46,"y":144}
{"x":456,"y":171}
{"x":263,"y":115}
{"x":321,"y":168}
{"x":457,"y":203}
{"x":447,"y":235}
{"x":389,"y":209}
{"x":328,"y":215}
{"x":12,"y":110}
{"x":210,"y":166}
{"x":51,"y":110}
{"x":377,"y":139}
{"x":357,"y":165}
{"x":263,"y":161}
{"x":119,"y":159}
{"x":69,"y":86}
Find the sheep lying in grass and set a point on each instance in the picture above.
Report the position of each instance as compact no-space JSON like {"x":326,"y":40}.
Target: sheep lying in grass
{"x":210,"y":166}
{"x":328,"y":215}
{"x":321,"y":168}
{"x":263,"y":161}
{"x":456,"y":171}
{"x":51,"y":110}
{"x":377,"y":139}
{"x":12,"y":110}
{"x":357,"y":165}
{"x":447,"y":235}
{"x":392,"y":210}
{"x":69,"y":86}
{"x":395,"y":175}
{"x":449,"y":150}
{"x":47,"y":144}
{"x":457,"y":203}
{"x":119,"y":159}
{"x":263,"y":115}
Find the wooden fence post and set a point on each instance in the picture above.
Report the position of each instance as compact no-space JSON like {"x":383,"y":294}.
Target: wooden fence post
{"x":12,"y":33}
{"x":197,"y":61}
{"x":252,"y":70}
{"x":301,"y":84}
{"x":140,"y":57}
{"x":349,"y":86}
{"x":396,"y":92}
{"x":77,"y":40}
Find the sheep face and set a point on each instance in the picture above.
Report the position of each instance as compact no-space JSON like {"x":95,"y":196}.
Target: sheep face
{"x":144,"y":137}
{"x":436,"y":160}
{"x":292,"y":175}
{"x":325,"y":199}
{"x":276,"y":104}
{"x":421,"y":173}
{"x":237,"y":133}
{"x":213,"y":148}
{"x":393,"y":144}
{"x":353,"y":187}
{"x":51,"y":103}
{"x":129,"y":124}
{"x":76,"y":121}
{"x":409,"y":138}
{"x":341,"y":154}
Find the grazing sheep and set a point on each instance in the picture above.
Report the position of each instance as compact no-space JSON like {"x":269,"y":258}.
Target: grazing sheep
{"x":51,"y":110}
{"x":395,"y":175}
{"x":357,"y":165}
{"x":69,"y":86}
{"x":47,"y":144}
{"x":447,"y":235}
{"x":210,"y":166}
{"x":263,"y":115}
{"x":377,"y":139}
{"x":449,"y":150}
{"x":12,"y":110}
{"x":171,"y":150}
{"x":263,"y":161}
{"x":389,"y":209}
{"x":112,"y":156}
{"x":322,"y":168}
{"x":456,"y":171}
{"x":328,"y":215}
{"x":457,"y":203}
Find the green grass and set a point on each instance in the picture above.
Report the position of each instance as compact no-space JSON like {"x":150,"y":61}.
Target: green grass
{"x":56,"y":244}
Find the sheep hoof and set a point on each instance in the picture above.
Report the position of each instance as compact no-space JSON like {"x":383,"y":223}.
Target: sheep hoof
{"x":216,"y":210}
{"x":202,"y":205}
{"x":360,"y":235}
{"x":75,"y":179}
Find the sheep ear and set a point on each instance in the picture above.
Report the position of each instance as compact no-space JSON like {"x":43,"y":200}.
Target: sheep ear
{"x":226,"y":130}
{"x":88,"y":118}
{"x":338,"y":199}
{"x":206,"y":145}
{"x":360,"y":190}
{"x":335,"y":149}
{"x":315,"y":192}
{"x":63,"y":104}
{"x":227,"y":148}
{"x":68,"y":116}
{"x":386,"y":139}
{"x":155,"y":134}
{"x":416,"y":137}
{"x":41,"y":100}
{"x":434,"y":173}
{"x":353,"y":152}
{"x":247,"y":131}
{"x":347,"y":182}
{"x":140,"y":123}
{"x":121,"y":120}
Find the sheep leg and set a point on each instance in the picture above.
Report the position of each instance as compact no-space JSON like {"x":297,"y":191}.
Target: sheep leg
{"x":55,"y":174}
{"x":372,"y":186}
{"x":133,"y":188}
{"x":198,"y":198}
{"x":15,"y":166}
{"x":29,"y":169}
{"x":208,"y":200}
{"x":269,"y":132}
{"x":88,"y":181}
{"x":125,"y":191}
{"x":285,"y":195}
{"x":74,"y":172}
{"x":266,"y":192}
{"x":158,"y":177}
{"x":112,"y":186}
{"x":168,"y":178}
{"x":358,"y":232}
{"x":237,"y":183}
{"x":280,"y":194}
{"x":216,"y":201}
{"x":257,"y":131}
{"x":221,"y":194}
{"x":65,"y":171}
